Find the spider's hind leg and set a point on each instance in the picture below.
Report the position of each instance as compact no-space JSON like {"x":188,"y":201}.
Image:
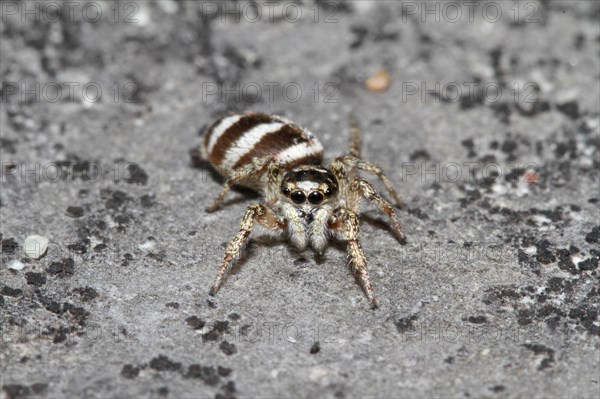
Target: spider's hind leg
{"x":355,"y":140}
{"x":357,"y":163}
{"x":353,"y":161}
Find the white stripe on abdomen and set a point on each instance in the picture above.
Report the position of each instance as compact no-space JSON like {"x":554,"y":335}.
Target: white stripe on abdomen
{"x":246,"y":143}
{"x":299,"y":151}
{"x":218,"y":130}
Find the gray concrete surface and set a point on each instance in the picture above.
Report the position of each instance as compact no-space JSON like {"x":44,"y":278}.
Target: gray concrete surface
{"x":494,"y":295}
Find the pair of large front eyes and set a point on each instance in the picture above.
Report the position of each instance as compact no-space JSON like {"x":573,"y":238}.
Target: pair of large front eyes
{"x":314,"y":197}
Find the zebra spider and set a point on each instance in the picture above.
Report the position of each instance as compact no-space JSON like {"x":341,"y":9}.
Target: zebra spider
{"x":302,"y":198}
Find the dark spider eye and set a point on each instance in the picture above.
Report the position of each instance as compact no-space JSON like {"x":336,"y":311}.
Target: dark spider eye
{"x":285,"y":191}
{"x":298,"y":197}
{"x":315,"y":197}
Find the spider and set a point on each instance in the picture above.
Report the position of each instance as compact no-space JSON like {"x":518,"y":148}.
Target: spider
{"x":301,"y":198}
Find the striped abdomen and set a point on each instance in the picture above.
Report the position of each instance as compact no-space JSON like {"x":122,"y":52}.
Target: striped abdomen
{"x":236,"y":140}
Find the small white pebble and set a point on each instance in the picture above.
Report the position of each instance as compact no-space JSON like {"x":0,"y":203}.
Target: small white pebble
{"x":36,"y":246}
{"x":16,"y":265}
{"x":147,"y":246}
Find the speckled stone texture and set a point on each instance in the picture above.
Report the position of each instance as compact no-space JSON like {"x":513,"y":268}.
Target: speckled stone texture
{"x":490,"y":132}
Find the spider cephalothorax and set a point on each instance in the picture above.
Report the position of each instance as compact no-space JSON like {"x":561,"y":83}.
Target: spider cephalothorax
{"x":309,"y":184}
{"x":302,"y":198}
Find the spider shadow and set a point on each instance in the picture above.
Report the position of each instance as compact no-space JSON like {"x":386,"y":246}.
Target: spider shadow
{"x":380,"y":224}
{"x":257,"y":248}
{"x":197,"y":162}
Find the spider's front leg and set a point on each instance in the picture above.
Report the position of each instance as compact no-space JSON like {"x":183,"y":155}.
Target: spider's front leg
{"x":360,"y":188}
{"x":356,"y":163}
{"x":259,"y":213}
{"x":348,"y":223}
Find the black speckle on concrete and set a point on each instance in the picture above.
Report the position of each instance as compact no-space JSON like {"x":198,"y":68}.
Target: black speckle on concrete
{"x":62,"y":268}
{"x":147,"y":200}
{"x":558,"y":284}
{"x":525,"y":317}
{"x":420,"y":154}
{"x":50,"y":304}
{"x":502,"y":111}
{"x":35,"y":279}
{"x":78,"y":248}
{"x":570,"y":109}
{"x":9,"y":291}
{"x":221,"y":326}
{"x":207,"y":374}
{"x":224,"y":371}
{"x":477,"y":319}
{"x":469,"y":144}
{"x":8,"y":145}
{"x":418,"y":213}
{"x":195,"y":322}
{"x":579,"y":41}
{"x":78,"y":313}
{"x":163,"y":363}
{"x":130,"y":372}
{"x":158,"y":256}
{"x":544,"y":254}
{"x":593,"y":237}
{"x":212,"y":335}
{"x":315,"y":348}
{"x":16,"y":391}
{"x":360,"y":33}
{"x":137,"y":175}
{"x":87,"y":293}
{"x":228,"y":348}
{"x":405,"y":324}
{"x":9,"y":246}
{"x":174,"y":305}
{"x":75,"y":211}
{"x":509,"y":146}
{"x":588,"y":264}
{"x":548,"y":354}
{"x":227,"y":391}
{"x":100,"y":247}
